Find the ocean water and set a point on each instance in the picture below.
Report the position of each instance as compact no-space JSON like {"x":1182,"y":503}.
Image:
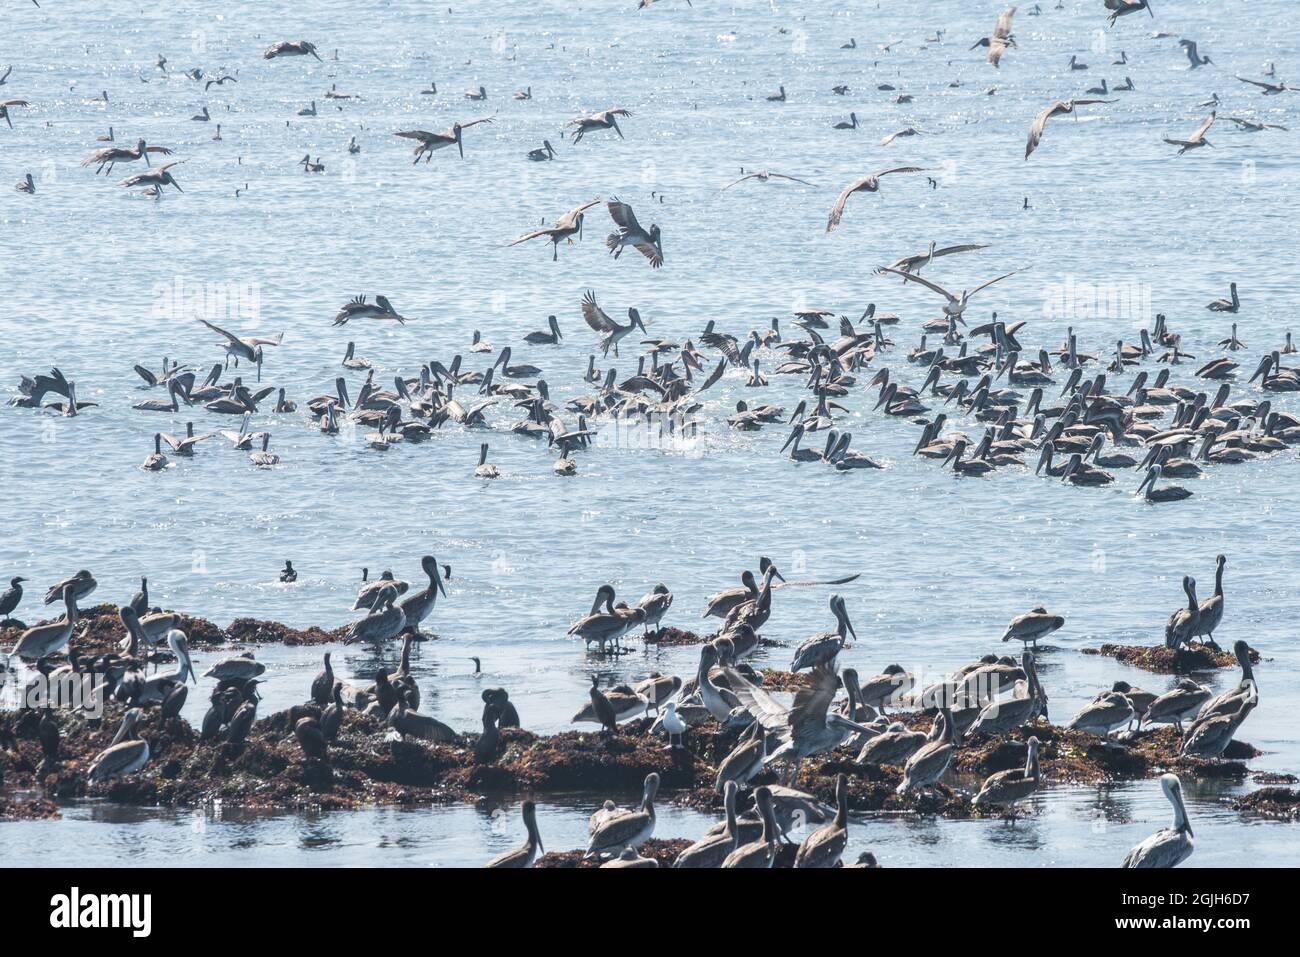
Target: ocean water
{"x":1119,"y":228}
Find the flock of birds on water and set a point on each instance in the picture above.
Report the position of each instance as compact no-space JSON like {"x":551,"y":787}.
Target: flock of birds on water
{"x":1058,"y":404}
{"x":994,"y":694}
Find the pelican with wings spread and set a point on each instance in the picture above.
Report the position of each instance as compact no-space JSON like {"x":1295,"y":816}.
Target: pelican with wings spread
{"x":763,"y":176}
{"x":245,"y":347}
{"x":565,"y":228}
{"x":1001,"y":38}
{"x":604,"y":120}
{"x":1059,"y":108}
{"x":868,"y":184}
{"x":610,"y":331}
{"x":428,"y":142}
{"x":1196,"y":140}
{"x":632,"y":233}
{"x":955,"y":305}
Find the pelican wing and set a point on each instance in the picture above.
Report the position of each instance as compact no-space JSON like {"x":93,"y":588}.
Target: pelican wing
{"x":738,"y":182}
{"x":1204,"y":127}
{"x":1265,"y":86}
{"x":765,"y":709}
{"x":474,"y":122}
{"x":1003,"y":29}
{"x":594,"y":315}
{"x":812,"y":701}
{"x":533,"y":235}
{"x":912,"y":277}
{"x":837,"y":211}
{"x":159,"y":149}
{"x":623,"y":216}
{"x":990,"y":282}
{"x":1036,"y":131}
{"x":219,"y":331}
{"x":567,"y":220}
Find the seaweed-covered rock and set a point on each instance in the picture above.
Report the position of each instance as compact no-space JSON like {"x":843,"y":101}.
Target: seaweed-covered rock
{"x":663,"y":851}
{"x":1280,"y":804}
{"x":1162,"y":660}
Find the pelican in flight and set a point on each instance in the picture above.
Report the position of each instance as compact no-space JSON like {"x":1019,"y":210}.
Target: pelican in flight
{"x":955,"y":305}
{"x":1058,"y":108}
{"x":610,"y":331}
{"x":245,"y":347}
{"x":111,"y":155}
{"x":1189,"y":47}
{"x":1169,"y":846}
{"x":1270,"y":89}
{"x":1197,"y":139}
{"x":428,"y":142}
{"x":358,"y":308}
{"x":1122,"y":8}
{"x":632,"y":233}
{"x":915,"y":263}
{"x":763,"y":176}
{"x":1001,"y":38}
{"x":565,"y":228}
{"x":156,"y":178}
{"x":604,"y":120}
{"x":869,"y":184}
{"x":291,"y":48}
{"x":4,"y":109}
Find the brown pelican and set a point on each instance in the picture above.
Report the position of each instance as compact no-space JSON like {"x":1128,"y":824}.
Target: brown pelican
{"x":955,"y":305}
{"x":604,"y":120}
{"x":80,"y":584}
{"x":824,"y":647}
{"x":157,"y":461}
{"x":1023,"y":708}
{"x":894,"y":746}
{"x":1006,"y":788}
{"x":631,"y":233}
{"x":245,"y":347}
{"x":128,"y":752}
{"x":1057,"y":108}
{"x":417,"y":605}
{"x":565,"y":228}
{"x":156,"y":689}
{"x":1253,"y":126}
{"x":524,"y":855}
{"x":1208,"y":737}
{"x":1195,"y":58}
{"x":479,"y":94}
{"x":1270,"y":89}
{"x":611,"y":333}
{"x":524,"y":94}
{"x":184,"y":444}
{"x":109,"y":156}
{"x":414,"y":724}
{"x":870,"y":184}
{"x":1211,"y":610}
{"x":1169,"y":493}
{"x":1182,"y":624}
{"x":41,"y":640}
{"x":1122,"y":8}
{"x":1226,"y":305}
{"x":808,"y":726}
{"x":291,"y":48}
{"x":1001,"y":38}
{"x":763,"y":176}
{"x":745,"y":760}
{"x":1225,"y":702}
{"x":778,"y":96}
{"x":1195,"y":141}
{"x":359,"y":308}
{"x":626,"y":828}
{"x":428,"y":142}
{"x":823,"y":847}
{"x":262,"y":457}
{"x":159,"y":176}
{"x":712,"y":849}
{"x":384,"y":622}
{"x":929,"y":762}
{"x":1108,"y":712}
{"x":1169,"y":846}
{"x":485,"y":468}
{"x":542,"y":153}
{"x":1181,"y":703}
{"x":655,"y":603}
{"x":762,"y":852}
{"x":5,"y":106}
{"x":1034,"y":624}
{"x":850,"y":124}
{"x":27,"y":185}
